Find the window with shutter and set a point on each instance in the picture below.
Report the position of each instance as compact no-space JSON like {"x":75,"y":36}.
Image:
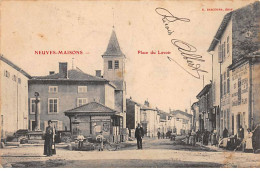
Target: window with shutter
{"x":59,"y":125}
{"x":81,"y":101}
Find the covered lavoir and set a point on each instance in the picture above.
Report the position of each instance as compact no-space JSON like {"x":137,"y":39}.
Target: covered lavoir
{"x":92,"y":118}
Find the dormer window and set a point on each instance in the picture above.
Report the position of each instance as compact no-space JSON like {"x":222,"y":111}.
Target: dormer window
{"x":110,"y":65}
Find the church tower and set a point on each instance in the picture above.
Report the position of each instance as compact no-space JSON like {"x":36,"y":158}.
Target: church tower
{"x":114,"y":71}
{"x":114,"y":60}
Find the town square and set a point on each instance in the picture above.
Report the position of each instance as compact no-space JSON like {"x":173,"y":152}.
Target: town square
{"x":109,"y":84}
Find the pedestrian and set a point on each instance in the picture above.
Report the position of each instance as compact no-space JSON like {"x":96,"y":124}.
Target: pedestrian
{"x":139,"y":134}
{"x":163,"y":135}
{"x":248,"y":139}
{"x":225,"y":133}
{"x":205,"y":139}
{"x":214,"y":138}
{"x":240,"y":133}
{"x":158,"y":134}
{"x":193,"y":138}
{"x":48,"y":139}
{"x":100,"y":138}
{"x":53,"y":148}
{"x":80,"y":138}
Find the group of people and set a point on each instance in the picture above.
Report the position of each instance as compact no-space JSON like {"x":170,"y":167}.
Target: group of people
{"x":241,"y":140}
{"x":160,"y":135}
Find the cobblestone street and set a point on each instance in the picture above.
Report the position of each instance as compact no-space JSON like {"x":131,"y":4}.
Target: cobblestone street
{"x":155,"y":153}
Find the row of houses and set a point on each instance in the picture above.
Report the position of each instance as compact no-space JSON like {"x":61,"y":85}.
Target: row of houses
{"x":78,"y":102}
{"x":231,"y":99}
{"x":75,"y":101}
{"x":154,"y":120}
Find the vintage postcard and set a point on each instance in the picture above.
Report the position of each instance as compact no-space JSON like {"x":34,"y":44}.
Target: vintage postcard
{"x":130,"y":84}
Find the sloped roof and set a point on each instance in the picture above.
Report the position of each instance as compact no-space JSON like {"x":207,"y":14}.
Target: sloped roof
{"x":2,"y":58}
{"x":72,"y":75}
{"x":204,"y":90}
{"x":131,"y":100}
{"x":220,"y":31}
{"x":113,"y":48}
{"x":144,"y":107}
{"x":92,"y":107}
{"x":176,"y":112}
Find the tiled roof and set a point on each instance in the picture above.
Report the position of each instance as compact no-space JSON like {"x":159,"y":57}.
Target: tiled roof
{"x":2,"y":58}
{"x":72,"y":75}
{"x":176,"y":112}
{"x":130,"y":100}
{"x":113,"y":48}
{"x":92,"y":107}
{"x":204,"y":90}
{"x":220,"y":31}
{"x":144,"y":107}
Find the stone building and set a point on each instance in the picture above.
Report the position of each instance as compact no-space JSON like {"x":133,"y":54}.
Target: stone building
{"x":182,"y":121}
{"x":133,"y":114}
{"x":207,"y":119}
{"x":236,"y":38}
{"x":13,"y":97}
{"x":150,"y":120}
{"x":66,"y":90}
{"x":114,"y":71}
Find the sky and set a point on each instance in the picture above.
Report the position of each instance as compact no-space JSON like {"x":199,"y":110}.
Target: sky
{"x":29,"y":26}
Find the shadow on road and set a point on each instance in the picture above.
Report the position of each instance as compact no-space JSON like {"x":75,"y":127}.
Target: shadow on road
{"x":24,"y":156}
{"x":110,"y":163}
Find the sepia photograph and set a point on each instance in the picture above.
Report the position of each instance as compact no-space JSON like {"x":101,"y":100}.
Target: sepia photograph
{"x":130,"y":84}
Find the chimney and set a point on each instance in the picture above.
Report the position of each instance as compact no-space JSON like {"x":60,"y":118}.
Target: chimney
{"x":52,"y":72}
{"x":146,"y":103}
{"x":63,"y":69}
{"x":98,"y":73}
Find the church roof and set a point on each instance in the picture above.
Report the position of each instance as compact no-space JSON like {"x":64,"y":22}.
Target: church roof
{"x":92,"y":107}
{"x":113,"y":48}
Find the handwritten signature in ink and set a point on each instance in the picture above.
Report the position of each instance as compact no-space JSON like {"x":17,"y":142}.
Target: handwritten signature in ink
{"x":186,"y":50}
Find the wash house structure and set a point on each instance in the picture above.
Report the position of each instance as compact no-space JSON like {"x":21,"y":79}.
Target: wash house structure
{"x":93,"y":118}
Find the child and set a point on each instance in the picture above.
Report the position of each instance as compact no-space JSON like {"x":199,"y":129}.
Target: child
{"x":100,"y":138}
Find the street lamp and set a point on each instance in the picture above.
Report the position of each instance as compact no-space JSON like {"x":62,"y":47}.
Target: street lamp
{"x":37,"y":119}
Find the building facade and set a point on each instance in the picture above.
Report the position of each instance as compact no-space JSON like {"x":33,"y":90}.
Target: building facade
{"x":133,"y":114}
{"x":236,"y":38}
{"x":66,"y":90}
{"x":207,"y":118}
{"x":13,"y":97}
{"x":182,"y":121}
{"x":150,"y":120}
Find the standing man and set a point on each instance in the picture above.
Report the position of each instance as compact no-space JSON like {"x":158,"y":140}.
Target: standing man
{"x":158,"y":134}
{"x":139,"y":134}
